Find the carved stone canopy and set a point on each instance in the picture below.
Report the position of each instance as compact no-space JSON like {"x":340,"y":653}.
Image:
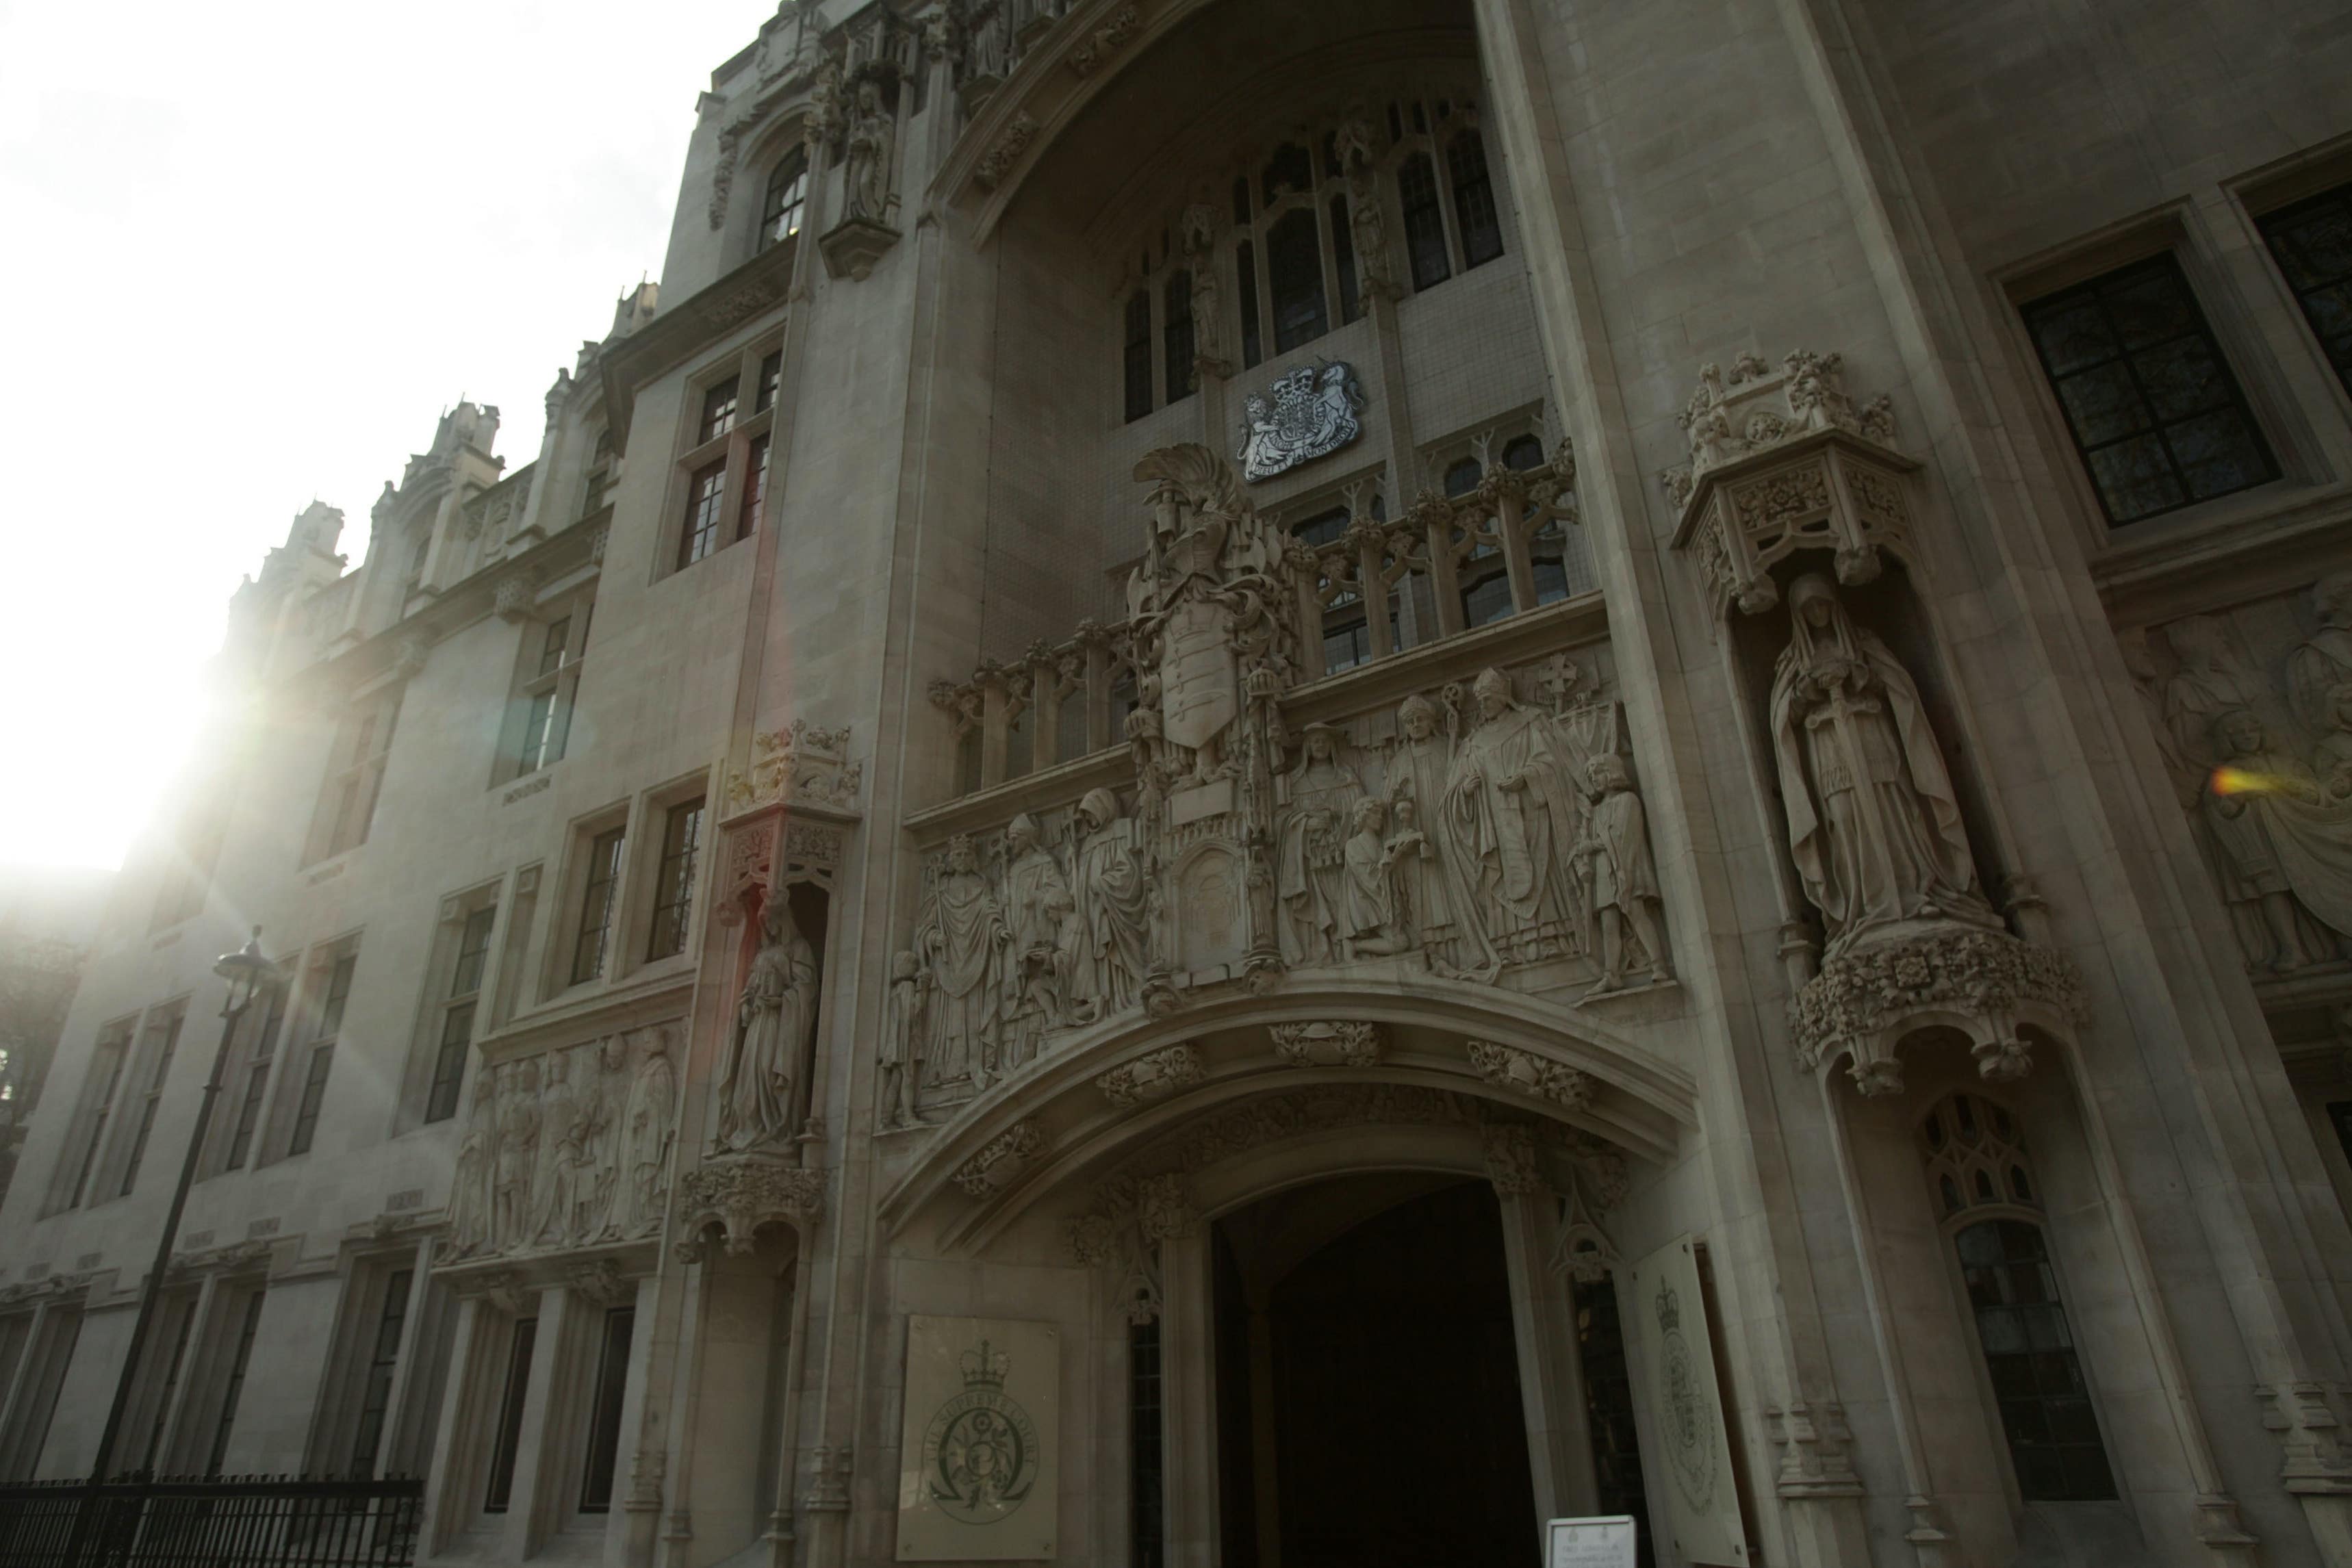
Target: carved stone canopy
{"x":1781,"y":461}
{"x":741,"y":1192}
{"x":1983,"y":984}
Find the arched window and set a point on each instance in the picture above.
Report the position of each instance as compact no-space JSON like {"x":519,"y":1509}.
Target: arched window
{"x":1343,"y":261}
{"x":1293,"y":257}
{"x":787,"y":198}
{"x":1976,"y":1161}
{"x":1522,"y":453}
{"x":1424,"y":224}
{"x":1138,"y":358}
{"x":1176,"y":310}
{"x":1462,"y":477}
{"x":1474,"y":201}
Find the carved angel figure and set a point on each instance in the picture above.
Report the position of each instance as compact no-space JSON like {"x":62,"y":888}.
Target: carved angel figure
{"x":775,"y":1020}
{"x":1872,"y":822}
{"x":1620,"y":881}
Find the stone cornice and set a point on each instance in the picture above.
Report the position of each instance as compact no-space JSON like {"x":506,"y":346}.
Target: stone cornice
{"x":610,"y":1011}
{"x":680,"y":331}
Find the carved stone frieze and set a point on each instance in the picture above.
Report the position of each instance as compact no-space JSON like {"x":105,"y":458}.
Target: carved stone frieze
{"x":566,"y":1149}
{"x":1151,"y":1077}
{"x":1512,"y":1067}
{"x":1341,"y":1043}
{"x":1104,"y":41}
{"x":226,"y":1259}
{"x":601,"y":1282}
{"x":1983,"y":982}
{"x":1780,"y":461}
{"x":741,"y":1192}
{"x":1001,"y":1159}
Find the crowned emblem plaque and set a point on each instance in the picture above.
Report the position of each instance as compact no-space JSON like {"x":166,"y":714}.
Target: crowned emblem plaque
{"x":1305,"y":415}
{"x":977,"y":1471}
{"x":1662,"y":1293}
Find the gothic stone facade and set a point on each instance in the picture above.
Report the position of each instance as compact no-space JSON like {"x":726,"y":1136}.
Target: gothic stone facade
{"x":1732,"y":618}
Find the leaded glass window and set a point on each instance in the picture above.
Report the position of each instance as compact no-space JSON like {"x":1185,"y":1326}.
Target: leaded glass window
{"x":1474,"y":201}
{"x":1294,"y":257}
{"x":1424,"y":221}
{"x":2313,"y":243}
{"x":2151,"y":403}
{"x":1138,"y":358}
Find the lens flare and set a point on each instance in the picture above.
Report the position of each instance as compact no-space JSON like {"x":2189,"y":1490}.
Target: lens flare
{"x":2239,"y":781}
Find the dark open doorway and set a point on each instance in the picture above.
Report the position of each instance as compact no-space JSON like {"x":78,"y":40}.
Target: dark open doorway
{"x":1367,"y":1384}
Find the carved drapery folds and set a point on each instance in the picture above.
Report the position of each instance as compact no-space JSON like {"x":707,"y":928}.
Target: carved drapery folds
{"x":2253,"y":711}
{"x":567,"y":1149}
{"x":1781,"y":461}
{"x":741,"y":1192}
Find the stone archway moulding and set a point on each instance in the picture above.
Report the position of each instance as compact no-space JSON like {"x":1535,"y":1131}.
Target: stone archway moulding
{"x":1058,"y":77}
{"x":1010,"y":1148}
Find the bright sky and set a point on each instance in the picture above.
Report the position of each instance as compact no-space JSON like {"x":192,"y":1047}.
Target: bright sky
{"x":249,"y":250}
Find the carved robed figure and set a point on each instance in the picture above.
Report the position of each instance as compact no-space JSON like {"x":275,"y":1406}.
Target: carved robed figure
{"x":775,"y":1017}
{"x":1874,"y":824}
{"x":1110,"y":893}
{"x":961,"y":940}
{"x":1511,"y":813}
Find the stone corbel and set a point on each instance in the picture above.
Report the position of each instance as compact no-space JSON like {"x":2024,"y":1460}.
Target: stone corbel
{"x":601,"y":1282}
{"x":741,"y":1192}
{"x":1816,"y":1450}
{"x":515,"y":595}
{"x":1985,"y":984}
{"x":852,"y":246}
{"x":1781,"y":461}
{"x":828,"y":1478}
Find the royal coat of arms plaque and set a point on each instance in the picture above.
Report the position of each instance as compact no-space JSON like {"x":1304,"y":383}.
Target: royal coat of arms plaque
{"x":1678,"y":1370}
{"x":978,"y":1461}
{"x":1305,"y":415}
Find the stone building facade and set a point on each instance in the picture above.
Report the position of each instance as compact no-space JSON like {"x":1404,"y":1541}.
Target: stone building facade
{"x":1346,"y":776}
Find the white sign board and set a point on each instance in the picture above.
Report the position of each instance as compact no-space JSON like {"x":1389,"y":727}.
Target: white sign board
{"x":1686,"y":1411}
{"x":1605,"y":1541}
{"x":979,"y":1457}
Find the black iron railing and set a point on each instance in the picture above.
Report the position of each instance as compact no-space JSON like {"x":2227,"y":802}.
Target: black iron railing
{"x":240,"y":1522}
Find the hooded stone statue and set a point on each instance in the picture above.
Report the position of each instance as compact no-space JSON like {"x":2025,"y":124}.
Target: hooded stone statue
{"x":775,"y":1017}
{"x":1874,"y":824}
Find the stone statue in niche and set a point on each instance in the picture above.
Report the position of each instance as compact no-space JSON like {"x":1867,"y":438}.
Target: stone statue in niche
{"x":1038,"y":907}
{"x":1111,"y":898}
{"x":897,"y":1058}
{"x":649,"y":1130}
{"x":867,"y":181}
{"x":2282,"y":842}
{"x":1511,"y":812}
{"x":2320,"y":671}
{"x":775,"y":1019}
{"x":1316,"y":802}
{"x":1371,"y":926}
{"x":961,"y":938}
{"x":1198,"y":232}
{"x":517,"y":1152}
{"x":1874,"y":824}
{"x":1621,"y":882}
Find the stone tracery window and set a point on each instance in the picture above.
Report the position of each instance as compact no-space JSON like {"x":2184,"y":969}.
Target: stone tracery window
{"x":1296,"y":271}
{"x":1990,"y":1200}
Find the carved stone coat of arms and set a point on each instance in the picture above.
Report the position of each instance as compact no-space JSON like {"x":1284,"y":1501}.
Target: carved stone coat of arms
{"x":1305,"y":415}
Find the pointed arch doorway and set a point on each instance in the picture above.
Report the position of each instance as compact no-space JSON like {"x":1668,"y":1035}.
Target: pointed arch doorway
{"x":1368,"y":1379}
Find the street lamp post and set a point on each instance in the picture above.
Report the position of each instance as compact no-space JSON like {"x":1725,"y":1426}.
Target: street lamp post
{"x":247,"y":973}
